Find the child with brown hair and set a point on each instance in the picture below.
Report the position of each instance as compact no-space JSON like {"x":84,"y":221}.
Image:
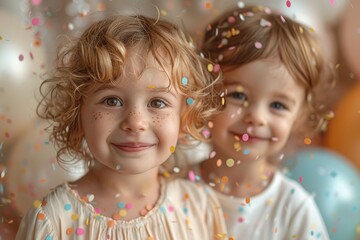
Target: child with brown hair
{"x":119,"y":99}
{"x":272,"y":67}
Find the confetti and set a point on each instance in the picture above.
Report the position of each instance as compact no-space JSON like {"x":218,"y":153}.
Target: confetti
{"x":216,"y":68}
{"x":332,"y":2}
{"x":265,"y":23}
{"x":189,"y":101}
{"x":246,"y":151}
{"x":258,"y":45}
{"x":67,"y":207}
{"x":210,"y":67}
{"x":69,"y":231}
{"x":122,"y":213}
{"x":218,"y":163}
{"x":247,"y":200}
{"x":300,"y":179}
{"x":37,"y":204}
{"x":35,"y":21}
{"x":230,"y":162}
{"x":288,"y":3}
{"x":36,"y":2}
{"x":307,"y":141}
{"x":208,"y":5}
{"x":212,"y":154}
{"x":191,"y":176}
{"x":21,"y":57}
{"x":245,"y":137}
{"x":172,"y":149}
{"x":80,"y":231}
{"x":184,"y":81}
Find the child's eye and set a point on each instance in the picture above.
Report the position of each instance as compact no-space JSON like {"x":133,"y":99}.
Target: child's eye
{"x":238,"y":96}
{"x":278,"y":106}
{"x":157,"y":103}
{"x":113,"y":102}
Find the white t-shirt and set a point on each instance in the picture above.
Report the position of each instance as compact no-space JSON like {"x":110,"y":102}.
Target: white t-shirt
{"x":283,"y":211}
{"x":184,"y":211}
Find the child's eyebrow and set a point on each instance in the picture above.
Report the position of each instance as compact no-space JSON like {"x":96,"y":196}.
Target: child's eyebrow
{"x":150,"y":88}
{"x":285,"y":97}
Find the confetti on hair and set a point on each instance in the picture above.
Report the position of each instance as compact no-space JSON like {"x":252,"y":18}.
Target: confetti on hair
{"x":216,"y":68}
{"x":282,"y":19}
{"x":241,"y":4}
{"x":265,"y":23}
{"x":184,"y":81}
{"x":222,"y":101}
{"x":189,"y":101}
{"x":3,"y":172}
{"x":172,"y":149}
{"x":301,"y":29}
{"x":307,"y":141}
{"x":231,"y":19}
{"x":212,"y":154}
{"x":258,"y":45}
{"x":218,"y":163}
{"x":210,"y":67}
{"x":288,"y":3}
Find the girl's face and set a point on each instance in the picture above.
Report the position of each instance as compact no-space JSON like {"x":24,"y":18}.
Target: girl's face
{"x":133,"y":126}
{"x":262,"y":104}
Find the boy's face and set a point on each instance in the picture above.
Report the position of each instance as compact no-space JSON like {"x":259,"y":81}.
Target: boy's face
{"x":262,"y":104}
{"x":133,"y":126}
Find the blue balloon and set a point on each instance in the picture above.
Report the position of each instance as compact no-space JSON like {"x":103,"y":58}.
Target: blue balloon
{"x":336,"y":185}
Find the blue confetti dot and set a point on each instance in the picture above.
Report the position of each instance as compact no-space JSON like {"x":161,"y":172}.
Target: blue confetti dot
{"x":163,"y":209}
{"x":292,"y":191}
{"x":184,"y":81}
{"x":67,"y":206}
{"x":246,"y":151}
{"x":48,"y":237}
{"x":189,"y":101}
{"x":186,"y":210}
{"x":241,"y":209}
{"x":121,"y":205}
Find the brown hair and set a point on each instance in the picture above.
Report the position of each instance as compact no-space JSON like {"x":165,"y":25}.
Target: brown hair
{"x":98,"y":57}
{"x":230,"y":40}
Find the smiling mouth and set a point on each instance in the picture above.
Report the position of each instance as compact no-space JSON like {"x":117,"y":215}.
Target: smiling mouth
{"x":133,"y":147}
{"x":249,"y":138}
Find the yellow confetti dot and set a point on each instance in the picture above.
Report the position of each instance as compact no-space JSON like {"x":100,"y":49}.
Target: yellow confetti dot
{"x":150,"y":86}
{"x":37,"y":204}
{"x":163,"y":12}
{"x":237,"y":146}
{"x":312,"y":30}
{"x":75,"y":216}
{"x":223,"y":101}
{"x":247,"y":200}
{"x":87,"y":222}
{"x":210,"y":67}
{"x":230,"y":162}
{"x":240,"y":88}
{"x":307,"y":141}
{"x":172,"y":149}
{"x":301,"y":30}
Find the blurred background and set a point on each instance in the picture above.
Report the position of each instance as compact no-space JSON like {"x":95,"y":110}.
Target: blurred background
{"x":30,"y":31}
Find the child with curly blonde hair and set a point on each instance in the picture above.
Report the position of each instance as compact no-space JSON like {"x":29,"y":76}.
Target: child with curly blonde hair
{"x":120,"y":98}
{"x":272,"y":67}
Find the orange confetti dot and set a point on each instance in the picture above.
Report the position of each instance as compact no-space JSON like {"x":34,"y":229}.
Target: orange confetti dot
{"x":186,"y":196}
{"x":307,"y":141}
{"x":41,"y":216}
{"x":69,"y":231}
{"x":143,"y":212}
{"x":247,"y":200}
{"x":224,"y":179}
{"x":218,"y":163}
{"x":116,"y":216}
{"x":111,"y":224}
{"x":101,"y":7}
{"x":208,"y":5}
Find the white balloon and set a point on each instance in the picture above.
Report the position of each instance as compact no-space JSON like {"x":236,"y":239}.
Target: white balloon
{"x":32,"y":169}
{"x":20,"y":64}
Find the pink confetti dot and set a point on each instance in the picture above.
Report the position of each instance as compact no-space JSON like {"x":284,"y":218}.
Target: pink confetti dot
{"x":192,"y":176}
{"x":21,"y":57}
{"x":35,"y":21}
{"x":258,"y":45}
{"x":212,"y":154}
{"x":129,"y":206}
{"x":288,"y":4}
{"x":300,"y":179}
{"x":216,"y":68}
{"x":171,"y":208}
{"x":332,"y":2}
{"x":231,"y":19}
{"x":97,"y":210}
{"x":80,"y":231}
{"x":245,"y":137}
{"x":36,"y":2}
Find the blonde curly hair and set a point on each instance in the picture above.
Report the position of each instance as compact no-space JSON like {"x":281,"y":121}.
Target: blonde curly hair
{"x":98,"y":56}
{"x":229,"y":40}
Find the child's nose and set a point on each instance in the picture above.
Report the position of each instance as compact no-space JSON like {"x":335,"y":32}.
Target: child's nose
{"x":135,"y":121}
{"x":255,"y":115}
